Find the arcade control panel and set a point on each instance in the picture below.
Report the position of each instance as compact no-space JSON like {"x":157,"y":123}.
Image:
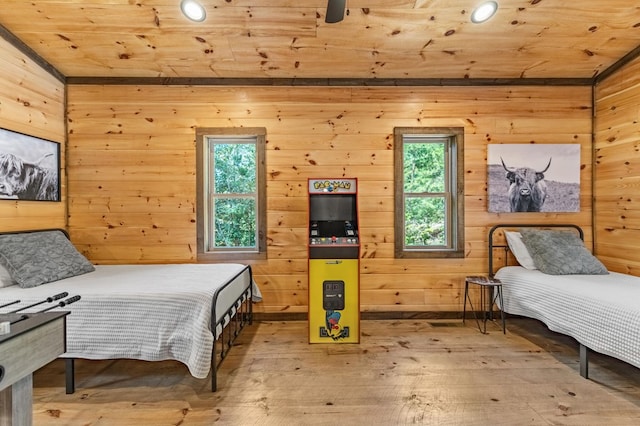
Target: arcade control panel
{"x":340,"y":234}
{"x":333,"y":240}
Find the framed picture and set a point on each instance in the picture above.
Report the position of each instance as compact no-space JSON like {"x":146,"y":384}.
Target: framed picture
{"x":533,"y":178}
{"x":29,"y":167}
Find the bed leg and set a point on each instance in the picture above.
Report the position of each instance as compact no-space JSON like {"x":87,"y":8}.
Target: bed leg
{"x":214,"y":369}
{"x":584,"y":361}
{"x":70,"y":375}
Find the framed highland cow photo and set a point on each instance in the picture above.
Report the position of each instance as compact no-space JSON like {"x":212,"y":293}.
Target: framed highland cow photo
{"x":29,"y":167}
{"x":533,"y":178}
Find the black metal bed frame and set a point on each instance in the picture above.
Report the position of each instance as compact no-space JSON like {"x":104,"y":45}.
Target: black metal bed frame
{"x":505,"y":246}
{"x":584,"y":351}
{"x":239,"y":315}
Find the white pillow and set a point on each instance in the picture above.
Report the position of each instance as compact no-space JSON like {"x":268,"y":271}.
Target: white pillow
{"x":5,"y":278}
{"x":519,"y":250}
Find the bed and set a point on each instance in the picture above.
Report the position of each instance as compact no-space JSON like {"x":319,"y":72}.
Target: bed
{"x":577,"y":296}
{"x":190,"y":313}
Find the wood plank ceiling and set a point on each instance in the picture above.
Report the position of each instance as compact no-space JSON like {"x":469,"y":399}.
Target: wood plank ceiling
{"x":379,"y":39}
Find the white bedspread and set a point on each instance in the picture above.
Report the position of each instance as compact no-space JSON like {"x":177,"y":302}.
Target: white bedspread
{"x":600,"y":311}
{"x":145,"y":312}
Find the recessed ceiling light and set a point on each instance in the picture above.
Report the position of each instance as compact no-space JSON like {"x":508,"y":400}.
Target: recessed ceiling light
{"x":483,"y":12}
{"x":193,"y":10}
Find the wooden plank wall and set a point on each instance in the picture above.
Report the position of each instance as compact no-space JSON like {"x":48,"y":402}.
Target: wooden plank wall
{"x":31,"y":102}
{"x":131,"y":168}
{"x":617,"y":170}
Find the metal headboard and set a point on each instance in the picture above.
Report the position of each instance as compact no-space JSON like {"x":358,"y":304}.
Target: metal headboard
{"x":514,"y":226}
{"x":64,"y":231}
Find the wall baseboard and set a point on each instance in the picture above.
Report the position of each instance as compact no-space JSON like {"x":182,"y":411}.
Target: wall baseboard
{"x":383,"y":315}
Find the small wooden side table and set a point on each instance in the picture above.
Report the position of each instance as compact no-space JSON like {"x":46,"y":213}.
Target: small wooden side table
{"x":490,"y":292}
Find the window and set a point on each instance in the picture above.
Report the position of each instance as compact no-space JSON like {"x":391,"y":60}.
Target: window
{"x":429,"y":192}
{"x":231,"y":175}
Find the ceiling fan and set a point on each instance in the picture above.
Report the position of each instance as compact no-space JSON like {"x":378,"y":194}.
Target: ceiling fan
{"x":335,"y":11}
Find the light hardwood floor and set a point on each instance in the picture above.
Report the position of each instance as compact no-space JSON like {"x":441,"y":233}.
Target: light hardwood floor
{"x":435,"y":372}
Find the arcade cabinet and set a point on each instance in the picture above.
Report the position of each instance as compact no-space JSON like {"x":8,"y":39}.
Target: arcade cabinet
{"x":334,"y":261}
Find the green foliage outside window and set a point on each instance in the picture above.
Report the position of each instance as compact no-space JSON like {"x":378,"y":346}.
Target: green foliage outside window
{"x":235,"y":168}
{"x":425,"y":184}
{"x":233,"y":191}
{"x":424,"y":167}
{"x":425,"y":222}
{"x":235,"y":224}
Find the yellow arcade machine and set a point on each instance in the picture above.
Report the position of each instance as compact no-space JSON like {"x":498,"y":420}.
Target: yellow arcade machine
{"x":334,"y":261}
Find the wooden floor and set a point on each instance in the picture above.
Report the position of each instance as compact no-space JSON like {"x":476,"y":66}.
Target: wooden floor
{"x":403,"y":372}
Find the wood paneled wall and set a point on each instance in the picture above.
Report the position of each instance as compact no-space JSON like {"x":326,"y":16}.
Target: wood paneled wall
{"x":617,"y":170}
{"x":31,"y":102}
{"x":131,"y":168}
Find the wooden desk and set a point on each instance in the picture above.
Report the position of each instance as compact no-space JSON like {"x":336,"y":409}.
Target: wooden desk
{"x":32,"y":343}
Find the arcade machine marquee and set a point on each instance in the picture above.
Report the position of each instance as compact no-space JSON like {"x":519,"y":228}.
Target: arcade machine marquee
{"x":334,"y":268}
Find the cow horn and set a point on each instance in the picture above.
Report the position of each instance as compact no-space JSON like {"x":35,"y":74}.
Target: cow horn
{"x":504,"y":165}
{"x":547,"y":168}
{"x":37,"y":163}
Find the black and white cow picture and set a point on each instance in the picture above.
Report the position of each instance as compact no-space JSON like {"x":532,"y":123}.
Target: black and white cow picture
{"x":527,"y":188}
{"x":23,"y":180}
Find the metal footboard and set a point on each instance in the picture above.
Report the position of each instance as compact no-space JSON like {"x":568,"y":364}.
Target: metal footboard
{"x":232,"y":321}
